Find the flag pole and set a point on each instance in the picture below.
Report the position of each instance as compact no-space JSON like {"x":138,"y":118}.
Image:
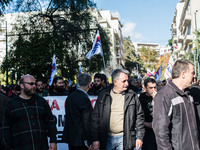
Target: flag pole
{"x":104,"y":64}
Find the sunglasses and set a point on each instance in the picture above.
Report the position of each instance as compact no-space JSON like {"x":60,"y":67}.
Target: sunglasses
{"x":30,"y":83}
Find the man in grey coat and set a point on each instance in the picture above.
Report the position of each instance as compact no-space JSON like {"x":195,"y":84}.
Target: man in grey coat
{"x":174,"y":121}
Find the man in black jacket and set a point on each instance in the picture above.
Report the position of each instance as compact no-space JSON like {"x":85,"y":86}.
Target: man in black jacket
{"x":3,"y":101}
{"x":78,"y":110}
{"x":146,"y":100}
{"x":118,"y":117}
{"x":174,"y":121}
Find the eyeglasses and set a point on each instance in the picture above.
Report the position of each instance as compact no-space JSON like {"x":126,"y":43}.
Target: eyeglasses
{"x":30,"y":83}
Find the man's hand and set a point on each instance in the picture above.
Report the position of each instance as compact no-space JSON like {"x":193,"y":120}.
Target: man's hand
{"x":96,"y":145}
{"x":53,"y":146}
{"x":138,"y":144}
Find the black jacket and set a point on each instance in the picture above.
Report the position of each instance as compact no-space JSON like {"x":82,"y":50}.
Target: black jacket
{"x":174,"y":121}
{"x":78,"y":110}
{"x":133,"y":119}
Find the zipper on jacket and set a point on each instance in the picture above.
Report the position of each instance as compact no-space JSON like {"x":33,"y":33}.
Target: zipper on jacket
{"x":189,"y":126}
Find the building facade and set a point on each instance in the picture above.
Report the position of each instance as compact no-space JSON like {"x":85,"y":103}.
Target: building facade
{"x":185,"y":22}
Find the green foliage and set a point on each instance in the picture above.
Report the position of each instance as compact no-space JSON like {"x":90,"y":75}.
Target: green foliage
{"x":30,"y":56}
{"x":130,"y":56}
{"x":148,"y":57}
{"x":3,"y":4}
{"x":63,"y":29}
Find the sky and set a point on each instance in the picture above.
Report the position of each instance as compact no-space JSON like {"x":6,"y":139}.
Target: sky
{"x":143,"y":20}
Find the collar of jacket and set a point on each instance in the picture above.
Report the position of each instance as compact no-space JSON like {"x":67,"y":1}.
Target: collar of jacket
{"x":128,"y":92}
{"x":185,"y":93}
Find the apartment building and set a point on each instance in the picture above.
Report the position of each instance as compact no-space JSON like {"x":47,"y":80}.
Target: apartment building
{"x":184,"y":25}
{"x":151,"y":46}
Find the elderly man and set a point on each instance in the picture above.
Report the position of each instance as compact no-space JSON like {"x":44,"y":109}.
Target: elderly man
{"x":28,"y":120}
{"x":118,"y":118}
{"x":174,"y":121}
{"x":78,"y":110}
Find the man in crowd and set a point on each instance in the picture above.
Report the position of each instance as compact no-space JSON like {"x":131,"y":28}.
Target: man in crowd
{"x":78,"y":110}
{"x":104,"y":80}
{"x":146,"y":100}
{"x":118,"y":117}
{"x":3,"y":101}
{"x":97,"y":86}
{"x":28,"y":120}
{"x":174,"y":120}
{"x":40,"y":91}
{"x":58,"y":87}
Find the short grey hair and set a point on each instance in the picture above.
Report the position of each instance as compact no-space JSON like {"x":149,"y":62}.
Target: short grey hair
{"x":115,"y":74}
{"x":179,"y":66}
{"x":84,"y":80}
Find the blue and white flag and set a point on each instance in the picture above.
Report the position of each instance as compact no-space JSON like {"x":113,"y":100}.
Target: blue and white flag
{"x":138,"y":74}
{"x":70,"y":82}
{"x":168,"y":71}
{"x":53,"y":70}
{"x":96,"y":47}
{"x":159,"y":72}
{"x":80,"y":69}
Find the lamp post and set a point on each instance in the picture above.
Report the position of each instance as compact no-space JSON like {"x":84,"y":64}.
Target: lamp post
{"x":197,"y":43}
{"x":6,"y":57}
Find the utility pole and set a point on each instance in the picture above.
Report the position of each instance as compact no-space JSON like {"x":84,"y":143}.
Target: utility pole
{"x":6,"y":57}
{"x":197,"y":43}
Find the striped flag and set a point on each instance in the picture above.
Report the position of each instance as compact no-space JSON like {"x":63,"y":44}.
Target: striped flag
{"x":168,"y":71}
{"x":96,"y":47}
{"x":53,"y":70}
{"x":159,"y":72}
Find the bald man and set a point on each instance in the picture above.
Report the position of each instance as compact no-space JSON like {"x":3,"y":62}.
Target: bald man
{"x":28,"y":120}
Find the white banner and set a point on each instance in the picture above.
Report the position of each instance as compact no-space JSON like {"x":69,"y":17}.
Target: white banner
{"x":57,"y":105}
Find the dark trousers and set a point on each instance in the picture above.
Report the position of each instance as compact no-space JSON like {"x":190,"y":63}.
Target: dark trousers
{"x":2,"y":147}
{"x":77,"y":147}
{"x":149,"y":140}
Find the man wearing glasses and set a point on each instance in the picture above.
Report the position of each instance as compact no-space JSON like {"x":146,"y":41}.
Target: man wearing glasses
{"x":146,"y":100}
{"x":28,"y":120}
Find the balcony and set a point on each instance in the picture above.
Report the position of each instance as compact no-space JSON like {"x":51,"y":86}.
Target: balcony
{"x":180,"y":39}
{"x":188,"y":39}
{"x":187,"y":19}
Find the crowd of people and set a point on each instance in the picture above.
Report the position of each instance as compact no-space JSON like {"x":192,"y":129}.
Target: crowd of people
{"x":129,"y":113}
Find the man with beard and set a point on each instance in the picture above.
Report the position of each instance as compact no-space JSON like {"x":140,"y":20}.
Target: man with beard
{"x":28,"y":120}
{"x":40,"y":91}
{"x":58,"y":87}
{"x":97,"y":87}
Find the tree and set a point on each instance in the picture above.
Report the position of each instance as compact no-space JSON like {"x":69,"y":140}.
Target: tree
{"x":63,"y":29}
{"x":130,"y":57}
{"x":148,"y":57}
{"x":3,"y":4}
